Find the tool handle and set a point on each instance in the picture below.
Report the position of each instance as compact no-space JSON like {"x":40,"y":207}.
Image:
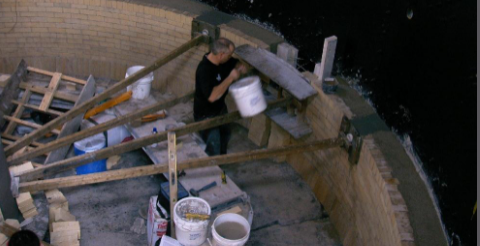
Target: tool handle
{"x":206,"y":187}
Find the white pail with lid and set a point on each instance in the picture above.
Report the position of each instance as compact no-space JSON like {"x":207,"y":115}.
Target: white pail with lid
{"x":248,"y":96}
{"x":141,"y":88}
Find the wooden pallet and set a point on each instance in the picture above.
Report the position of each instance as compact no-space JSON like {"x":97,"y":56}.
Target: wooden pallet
{"x":49,"y":93}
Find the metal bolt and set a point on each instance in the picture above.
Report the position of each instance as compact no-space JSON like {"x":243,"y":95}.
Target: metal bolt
{"x":349,"y":137}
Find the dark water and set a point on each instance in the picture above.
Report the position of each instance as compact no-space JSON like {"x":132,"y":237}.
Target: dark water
{"x":420,"y":74}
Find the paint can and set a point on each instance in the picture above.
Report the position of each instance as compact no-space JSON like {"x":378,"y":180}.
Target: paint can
{"x":248,"y":96}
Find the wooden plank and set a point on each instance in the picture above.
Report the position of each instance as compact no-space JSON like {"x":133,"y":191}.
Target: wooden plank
{"x":278,"y":70}
{"x":18,"y":112}
{"x":135,"y":144}
{"x":292,"y":124}
{"x":56,"y":183}
{"x":72,"y":126}
{"x":36,"y":108}
{"x":10,"y":92}
{"x":52,"y":88}
{"x":64,"y":77}
{"x":324,"y":69}
{"x":64,"y":141}
{"x":172,"y":176}
{"x":27,"y":123}
{"x":98,"y":98}
{"x":41,"y":90}
{"x":15,"y":138}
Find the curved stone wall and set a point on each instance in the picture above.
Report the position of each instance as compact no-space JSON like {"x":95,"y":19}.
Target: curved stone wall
{"x":103,"y":38}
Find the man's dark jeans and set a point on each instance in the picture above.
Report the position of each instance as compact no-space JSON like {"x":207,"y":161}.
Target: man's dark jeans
{"x":215,"y":138}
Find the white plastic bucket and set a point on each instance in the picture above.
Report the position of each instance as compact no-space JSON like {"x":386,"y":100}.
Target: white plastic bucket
{"x":114,"y":135}
{"x":141,"y":88}
{"x":191,"y":232}
{"x":248,"y":96}
{"x":230,"y":230}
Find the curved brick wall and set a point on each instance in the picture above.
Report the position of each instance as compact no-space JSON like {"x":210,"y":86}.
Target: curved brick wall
{"x":103,"y":38}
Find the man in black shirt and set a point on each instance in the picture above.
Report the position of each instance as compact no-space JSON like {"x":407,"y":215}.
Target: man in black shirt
{"x":215,"y":73}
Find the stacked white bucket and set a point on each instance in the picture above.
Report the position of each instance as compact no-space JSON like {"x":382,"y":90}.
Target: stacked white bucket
{"x":141,"y":88}
{"x":191,"y":232}
{"x":227,"y":229}
{"x":248,"y":96}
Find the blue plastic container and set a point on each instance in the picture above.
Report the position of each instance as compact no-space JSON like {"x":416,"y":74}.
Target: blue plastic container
{"x":87,"y":145}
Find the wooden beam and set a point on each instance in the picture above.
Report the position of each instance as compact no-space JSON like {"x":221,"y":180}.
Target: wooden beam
{"x":76,"y":161}
{"x":56,"y":183}
{"x":98,"y":98}
{"x":64,"y":77}
{"x":18,"y":112}
{"x":15,"y":138}
{"x":100,"y":128}
{"x":72,"y":126}
{"x":10,"y":91}
{"x":27,"y":123}
{"x":36,"y":108}
{"x":172,"y":175}
{"x":41,"y":90}
{"x":52,"y":88}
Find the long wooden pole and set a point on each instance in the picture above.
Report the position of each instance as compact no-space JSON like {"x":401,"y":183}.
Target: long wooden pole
{"x":76,"y":161}
{"x":134,"y":172}
{"x":108,"y":92}
{"x":98,"y":129}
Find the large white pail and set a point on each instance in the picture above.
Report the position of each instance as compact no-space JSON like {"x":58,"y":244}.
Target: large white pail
{"x":230,"y":230}
{"x":191,"y":232}
{"x":248,"y":96}
{"x":141,"y":88}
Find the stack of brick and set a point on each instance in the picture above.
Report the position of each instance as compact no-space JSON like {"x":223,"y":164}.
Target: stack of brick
{"x":24,"y":200}
{"x":64,"y":229}
{"x":26,"y":206}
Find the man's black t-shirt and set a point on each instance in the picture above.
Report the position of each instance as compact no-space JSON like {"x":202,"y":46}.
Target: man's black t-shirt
{"x":209,"y":75}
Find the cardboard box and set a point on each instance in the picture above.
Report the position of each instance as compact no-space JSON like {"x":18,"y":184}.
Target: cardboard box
{"x":156,"y":225}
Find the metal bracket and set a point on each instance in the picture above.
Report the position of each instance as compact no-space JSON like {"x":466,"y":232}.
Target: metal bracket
{"x":211,"y":32}
{"x":353,"y":140}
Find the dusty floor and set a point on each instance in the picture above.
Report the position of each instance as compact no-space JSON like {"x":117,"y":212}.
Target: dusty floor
{"x":285,"y":209}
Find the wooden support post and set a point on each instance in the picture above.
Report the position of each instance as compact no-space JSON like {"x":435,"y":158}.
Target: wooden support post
{"x":98,"y":98}
{"x":134,"y":172}
{"x":99,"y":128}
{"x":172,"y":177}
{"x":10,"y":91}
{"x":324,"y":69}
{"x":73,"y":162}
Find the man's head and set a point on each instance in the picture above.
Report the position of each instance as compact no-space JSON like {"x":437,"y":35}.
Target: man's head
{"x":24,"y":238}
{"x":223,"y":49}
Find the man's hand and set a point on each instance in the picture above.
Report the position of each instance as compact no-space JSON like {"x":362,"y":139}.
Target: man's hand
{"x":234,"y":74}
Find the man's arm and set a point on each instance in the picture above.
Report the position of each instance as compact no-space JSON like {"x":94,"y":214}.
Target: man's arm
{"x":220,"y":89}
